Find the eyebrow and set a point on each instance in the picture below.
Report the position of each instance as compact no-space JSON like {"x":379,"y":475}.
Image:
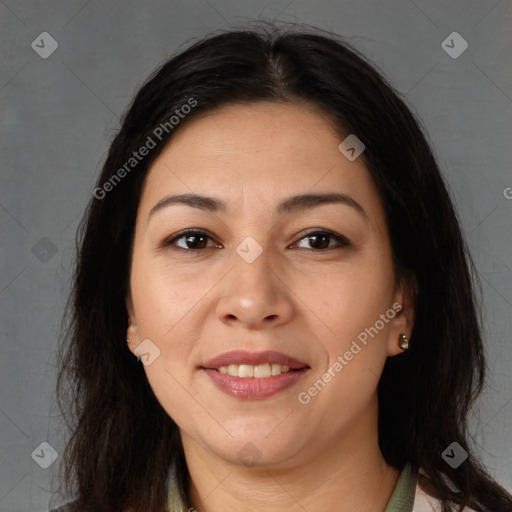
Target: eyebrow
{"x":291,"y":205}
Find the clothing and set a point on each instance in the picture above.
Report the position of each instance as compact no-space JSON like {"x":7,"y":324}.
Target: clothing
{"x":406,"y":497}
{"x":425,"y":503}
{"x":69,"y":507}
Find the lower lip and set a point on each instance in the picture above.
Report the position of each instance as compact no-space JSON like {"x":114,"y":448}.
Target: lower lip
{"x":251,"y":388}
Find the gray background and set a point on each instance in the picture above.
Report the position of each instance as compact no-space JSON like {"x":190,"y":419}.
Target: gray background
{"x":58,"y":115}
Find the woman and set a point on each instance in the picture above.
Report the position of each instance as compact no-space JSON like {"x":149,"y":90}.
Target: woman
{"x":273,"y":304}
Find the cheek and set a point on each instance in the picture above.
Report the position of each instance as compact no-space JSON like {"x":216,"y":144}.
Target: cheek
{"x":162,"y":296}
{"x":350,"y":299}
{"x":164,"y":313}
{"x":169,"y":384}
{"x":350,"y":304}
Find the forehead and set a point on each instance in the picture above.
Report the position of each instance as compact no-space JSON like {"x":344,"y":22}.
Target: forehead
{"x":259,"y":128}
{"x":262,"y":151}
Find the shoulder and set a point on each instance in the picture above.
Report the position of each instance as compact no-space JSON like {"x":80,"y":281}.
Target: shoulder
{"x":426,"y":503}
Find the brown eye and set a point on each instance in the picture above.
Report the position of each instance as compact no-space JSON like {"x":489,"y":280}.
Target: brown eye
{"x":194,"y":240}
{"x":190,"y":240}
{"x":320,"y":240}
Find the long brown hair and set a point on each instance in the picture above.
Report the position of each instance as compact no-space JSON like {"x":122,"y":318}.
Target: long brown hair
{"x":122,"y":441}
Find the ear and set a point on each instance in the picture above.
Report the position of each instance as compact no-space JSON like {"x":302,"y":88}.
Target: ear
{"x":404,"y":301}
{"x":132,"y":333}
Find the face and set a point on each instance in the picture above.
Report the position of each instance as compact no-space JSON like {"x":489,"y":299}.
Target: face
{"x":283,"y":275}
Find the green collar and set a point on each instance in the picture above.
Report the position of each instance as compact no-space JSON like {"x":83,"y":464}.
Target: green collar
{"x":402,"y":499}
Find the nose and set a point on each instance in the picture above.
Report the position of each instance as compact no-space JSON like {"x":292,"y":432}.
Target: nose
{"x":255,"y":296}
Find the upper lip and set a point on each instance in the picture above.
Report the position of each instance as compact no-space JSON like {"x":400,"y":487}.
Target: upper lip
{"x":254,"y":358}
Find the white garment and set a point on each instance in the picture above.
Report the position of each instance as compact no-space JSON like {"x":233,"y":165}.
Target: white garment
{"x":425,"y":503}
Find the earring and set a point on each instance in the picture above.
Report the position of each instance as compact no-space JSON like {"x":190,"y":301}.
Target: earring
{"x":404,"y":342}
{"x":138,"y":357}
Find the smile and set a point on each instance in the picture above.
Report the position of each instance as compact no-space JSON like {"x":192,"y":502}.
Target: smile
{"x":259,"y":371}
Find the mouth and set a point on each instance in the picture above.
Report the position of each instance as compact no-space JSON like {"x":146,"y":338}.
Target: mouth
{"x":254,"y":376}
{"x":240,"y":363}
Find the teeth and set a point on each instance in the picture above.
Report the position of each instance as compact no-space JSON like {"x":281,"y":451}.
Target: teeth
{"x":248,"y":370}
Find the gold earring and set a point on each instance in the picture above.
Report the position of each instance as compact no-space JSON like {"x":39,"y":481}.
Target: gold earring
{"x":404,"y":342}
{"x":128,"y":340}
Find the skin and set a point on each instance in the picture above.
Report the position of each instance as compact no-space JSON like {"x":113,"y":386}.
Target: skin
{"x":293,"y":298}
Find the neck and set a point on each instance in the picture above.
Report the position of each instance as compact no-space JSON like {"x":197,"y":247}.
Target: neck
{"x":349,"y":474}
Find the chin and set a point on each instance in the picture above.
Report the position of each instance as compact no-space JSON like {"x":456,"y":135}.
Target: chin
{"x":256,"y":448}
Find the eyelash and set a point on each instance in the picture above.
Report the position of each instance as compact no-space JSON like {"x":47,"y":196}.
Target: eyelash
{"x":342,"y":241}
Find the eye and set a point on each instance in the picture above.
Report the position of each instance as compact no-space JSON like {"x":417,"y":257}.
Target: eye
{"x":196,"y":240}
{"x":320,"y":240}
{"x":193,"y":240}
